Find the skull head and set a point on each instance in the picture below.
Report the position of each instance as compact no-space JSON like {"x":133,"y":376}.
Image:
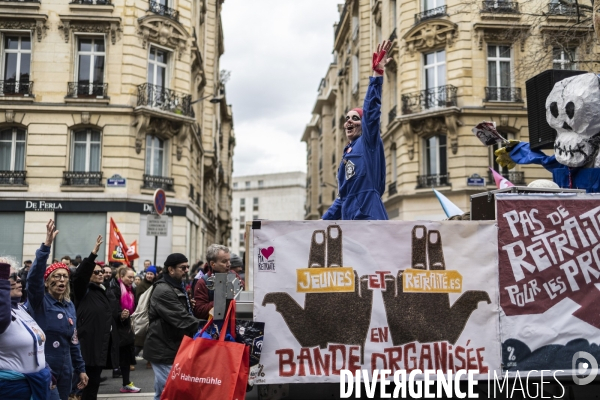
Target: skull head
{"x":573,"y":109}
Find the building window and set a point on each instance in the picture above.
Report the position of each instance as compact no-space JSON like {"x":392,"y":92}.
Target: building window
{"x":247,"y":184}
{"x":242,"y":204}
{"x":261,"y":184}
{"x":157,"y":66}
{"x":394,"y":161}
{"x":12,"y":149}
{"x":435,"y":156}
{"x":235,"y":185}
{"x":255,"y":217}
{"x":499,"y":73}
{"x":242,"y":219}
{"x":241,"y":239}
{"x":17,"y":64}
{"x":355,"y":73}
{"x":255,"y":204}
{"x":90,"y":66}
{"x":431,"y":4}
{"x":155,"y":156}
{"x":86,"y":151}
{"x":435,"y":69}
{"x":393,"y":12}
{"x":563,"y":58}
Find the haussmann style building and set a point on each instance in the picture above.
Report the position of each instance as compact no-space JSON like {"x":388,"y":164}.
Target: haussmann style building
{"x":455,"y":64}
{"x":101,"y":103}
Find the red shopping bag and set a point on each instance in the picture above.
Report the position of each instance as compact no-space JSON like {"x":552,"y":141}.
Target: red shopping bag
{"x":206,"y":369}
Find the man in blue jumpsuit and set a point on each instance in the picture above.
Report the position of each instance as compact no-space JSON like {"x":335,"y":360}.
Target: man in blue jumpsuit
{"x":361,"y":174}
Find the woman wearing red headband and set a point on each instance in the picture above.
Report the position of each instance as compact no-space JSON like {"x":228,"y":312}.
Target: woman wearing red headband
{"x":49,"y":304}
{"x":361,"y":174}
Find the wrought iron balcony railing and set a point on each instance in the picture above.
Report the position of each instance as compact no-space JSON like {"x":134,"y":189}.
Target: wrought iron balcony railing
{"x":165,"y":99}
{"x":392,"y":189}
{"x":562,"y":9}
{"x":515,"y":177}
{"x":158,"y":182}
{"x":14,"y":88}
{"x":163,"y":10}
{"x":392,"y":115}
{"x":13,"y":178}
{"x":500,"y":7}
{"x":78,"y":89}
{"x":73,"y":178}
{"x":503,"y":94}
{"x":91,"y":2}
{"x":438,"y":97}
{"x":425,"y":181}
{"x":432,"y":13}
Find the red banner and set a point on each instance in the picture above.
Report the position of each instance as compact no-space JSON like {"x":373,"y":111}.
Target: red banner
{"x":549,"y":249}
{"x":117,"y":247}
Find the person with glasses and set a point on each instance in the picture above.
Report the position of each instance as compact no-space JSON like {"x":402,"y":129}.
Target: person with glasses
{"x":97,"y":312}
{"x":49,"y":303}
{"x":170,"y":316}
{"x":23,"y":372}
{"x":122,"y":288}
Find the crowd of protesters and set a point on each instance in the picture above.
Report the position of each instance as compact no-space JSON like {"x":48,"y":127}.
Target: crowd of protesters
{"x":63,"y":322}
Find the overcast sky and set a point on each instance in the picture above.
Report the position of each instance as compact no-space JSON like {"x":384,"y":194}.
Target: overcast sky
{"x":277,"y":52}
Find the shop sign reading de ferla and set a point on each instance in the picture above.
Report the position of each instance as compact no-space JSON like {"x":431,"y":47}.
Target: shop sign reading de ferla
{"x":42,"y":205}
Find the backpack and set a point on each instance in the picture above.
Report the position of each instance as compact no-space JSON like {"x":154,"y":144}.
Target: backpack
{"x":139,"y":318}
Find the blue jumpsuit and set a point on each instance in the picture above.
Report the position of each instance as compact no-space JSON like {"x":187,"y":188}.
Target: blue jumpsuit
{"x":58,"y":321}
{"x":563,"y":176}
{"x":361,"y":174}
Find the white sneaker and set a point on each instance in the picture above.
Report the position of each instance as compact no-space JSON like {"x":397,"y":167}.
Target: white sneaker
{"x":130,"y":389}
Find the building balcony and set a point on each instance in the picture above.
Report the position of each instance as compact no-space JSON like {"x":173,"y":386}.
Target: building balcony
{"x":163,"y":10}
{"x":14,"y":88}
{"x":438,"y":97}
{"x":87,"y":90}
{"x":73,"y":178}
{"x":511,"y":94}
{"x":515,"y":177}
{"x":429,"y":14}
{"x":392,"y":189}
{"x":92,"y":2}
{"x":429,"y":181}
{"x":500,"y":7}
{"x":13,"y":178}
{"x":158,"y":182}
{"x":392,"y":115}
{"x":562,"y":9}
{"x":164,"y":99}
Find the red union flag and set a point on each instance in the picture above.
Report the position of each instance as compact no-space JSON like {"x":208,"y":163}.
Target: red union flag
{"x":117,"y":246}
{"x":549,"y":249}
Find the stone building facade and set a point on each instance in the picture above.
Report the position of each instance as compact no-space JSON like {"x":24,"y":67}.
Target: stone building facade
{"x":455,"y":64}
{"x":279,"y":197}
{"x":101,"y":103}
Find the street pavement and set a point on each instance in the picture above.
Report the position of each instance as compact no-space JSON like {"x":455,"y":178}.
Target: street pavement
{"x":142,"y":378}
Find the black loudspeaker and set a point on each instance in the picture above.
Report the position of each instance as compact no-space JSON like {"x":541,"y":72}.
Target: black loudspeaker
{"x":542,"y":135}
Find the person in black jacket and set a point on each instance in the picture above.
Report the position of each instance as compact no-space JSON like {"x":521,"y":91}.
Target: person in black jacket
{"x":122,"y":288}
{"x":97,"y":310}
{"x":170,"y":316}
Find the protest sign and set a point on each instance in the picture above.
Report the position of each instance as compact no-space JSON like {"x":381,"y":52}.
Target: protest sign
{"x":375,"y":295}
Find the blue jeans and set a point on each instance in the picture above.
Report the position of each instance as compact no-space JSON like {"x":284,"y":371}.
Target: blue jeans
{"x":161,"y":373}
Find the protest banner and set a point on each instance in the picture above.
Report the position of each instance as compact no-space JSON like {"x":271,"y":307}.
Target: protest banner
{"x":375,"y":295}
{"x":549,"y":267}
{"x":117,"y":246}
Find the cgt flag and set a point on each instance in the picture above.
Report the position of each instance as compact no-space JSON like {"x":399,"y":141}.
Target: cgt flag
{"x":132,"y":253}
{"x":117,"y":246}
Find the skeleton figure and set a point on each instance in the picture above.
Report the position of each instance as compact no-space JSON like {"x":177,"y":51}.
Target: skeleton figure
{"x":573,"y":109}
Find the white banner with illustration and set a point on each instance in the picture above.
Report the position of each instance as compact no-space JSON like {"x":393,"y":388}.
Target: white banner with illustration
{"x":375,"y":295}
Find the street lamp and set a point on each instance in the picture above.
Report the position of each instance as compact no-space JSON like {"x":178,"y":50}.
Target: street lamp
{"x":214,"y":100}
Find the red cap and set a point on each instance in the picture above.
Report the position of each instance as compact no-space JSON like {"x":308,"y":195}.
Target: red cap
{"x":100,"y":263}
{"x":359,"y":111}
{"x":54,"y":267}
